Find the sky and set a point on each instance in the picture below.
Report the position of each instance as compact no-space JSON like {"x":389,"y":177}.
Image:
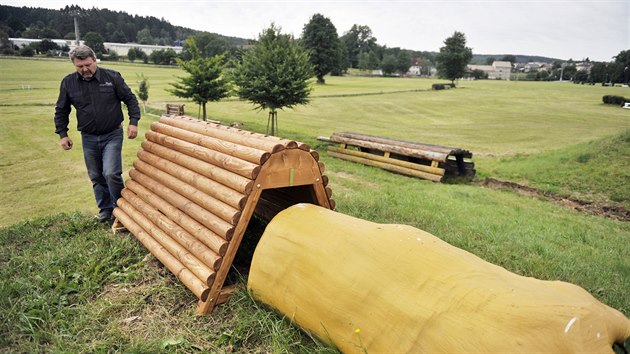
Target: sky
{"x":563,"y":29}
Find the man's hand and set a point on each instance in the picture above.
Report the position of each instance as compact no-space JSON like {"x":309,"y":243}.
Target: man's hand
{"x":66,"y":143}
{"x":132,"y":131}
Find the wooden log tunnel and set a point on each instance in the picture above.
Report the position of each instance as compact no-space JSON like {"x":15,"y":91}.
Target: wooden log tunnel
{"x":196,"y":185}
{"x":427,"y":161}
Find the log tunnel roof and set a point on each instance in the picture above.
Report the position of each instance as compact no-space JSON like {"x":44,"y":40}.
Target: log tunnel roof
{"x":196,"y":185}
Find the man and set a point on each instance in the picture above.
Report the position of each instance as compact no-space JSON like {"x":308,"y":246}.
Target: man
{"x":96,"y":94}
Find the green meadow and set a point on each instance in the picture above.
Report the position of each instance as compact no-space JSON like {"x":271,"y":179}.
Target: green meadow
{"x":556,"y":137}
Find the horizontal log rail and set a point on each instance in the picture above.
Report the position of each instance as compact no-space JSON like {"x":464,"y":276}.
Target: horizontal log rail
{"x":427,"y":161}
{"x":246,"y":153}
{"x":196,"y":286}
{"x":203,"y":234}
{"x":224,"y":161}
{"x":221,"y":176}
{"x":212,"y":188}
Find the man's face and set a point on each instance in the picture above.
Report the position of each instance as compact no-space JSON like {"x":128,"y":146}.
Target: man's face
{"x":85,"y":67}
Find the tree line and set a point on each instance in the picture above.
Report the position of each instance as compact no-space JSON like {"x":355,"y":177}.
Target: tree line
{"x":330,"y":52}
{"x":356,"y":48}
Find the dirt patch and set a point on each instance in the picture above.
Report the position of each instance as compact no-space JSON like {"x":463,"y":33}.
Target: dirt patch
{"x":592,"y":208}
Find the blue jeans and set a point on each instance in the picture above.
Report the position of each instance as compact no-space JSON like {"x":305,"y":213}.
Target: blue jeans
{"x":103,"y":159}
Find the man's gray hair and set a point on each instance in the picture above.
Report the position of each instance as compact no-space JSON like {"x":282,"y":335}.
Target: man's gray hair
{"x":82,"y":52}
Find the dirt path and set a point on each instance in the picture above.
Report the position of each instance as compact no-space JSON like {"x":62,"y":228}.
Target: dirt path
{"x":613,"y":212}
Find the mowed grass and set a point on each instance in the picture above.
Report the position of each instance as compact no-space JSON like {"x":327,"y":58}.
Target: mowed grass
{"x":554,"y":134}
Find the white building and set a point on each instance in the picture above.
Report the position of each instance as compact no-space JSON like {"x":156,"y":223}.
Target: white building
{"x":499,"y":70}
{"x":22,"y":42}
{"x":123,"y":48}
{"x":119,"y":48}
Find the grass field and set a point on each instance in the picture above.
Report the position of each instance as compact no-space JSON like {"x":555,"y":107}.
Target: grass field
{"x":557,"y":137}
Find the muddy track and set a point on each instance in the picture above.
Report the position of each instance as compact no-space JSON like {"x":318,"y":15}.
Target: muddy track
{"x":612,"y":212}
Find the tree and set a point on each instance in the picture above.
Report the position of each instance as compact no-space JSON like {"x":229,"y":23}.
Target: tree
{"x":131,"y":54}
{"x":453,"y":57}
{"x":46,"y":45}
{"x":478,"y":74}
{"x":209,"y":45}
{"x":358,"y":40}
{"x":143,"y":90}
{"x":389,"y":64}
{"x":598,"y":73}
{"x":403,"y":62}
{"x":205,"y":81}
{"x":319,"y":38}
{"x":274,"y":74}
{"x":144,"y":36}
{"x":94,"y":41}
{"x":623,"y":61}
{"x":163,"y":56}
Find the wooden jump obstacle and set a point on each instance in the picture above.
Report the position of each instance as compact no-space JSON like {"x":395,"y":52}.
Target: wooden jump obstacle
{"x":196,"y":185}
{"x":432,"y":162}
{"x":175,"y":109}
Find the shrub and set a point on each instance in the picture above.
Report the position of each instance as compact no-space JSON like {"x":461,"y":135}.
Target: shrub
{"x":617,"y":100}
{"x":441,"y":86}
{"x":27,"y":52}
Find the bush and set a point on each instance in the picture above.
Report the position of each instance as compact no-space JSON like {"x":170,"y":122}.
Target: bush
{"x":27,"y":52}
{"x":617,"y":100}
{"x":441,"y":86}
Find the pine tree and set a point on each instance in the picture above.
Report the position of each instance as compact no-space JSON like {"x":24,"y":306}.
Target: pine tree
{"x":205,"y":81}
{"x":274,"y":74}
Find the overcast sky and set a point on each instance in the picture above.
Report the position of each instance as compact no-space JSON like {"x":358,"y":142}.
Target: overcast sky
{"x":576,"y":29}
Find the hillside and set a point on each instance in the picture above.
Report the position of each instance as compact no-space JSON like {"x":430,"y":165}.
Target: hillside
{"x":114,"y":26}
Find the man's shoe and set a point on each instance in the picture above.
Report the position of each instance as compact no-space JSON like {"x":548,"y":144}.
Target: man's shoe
{"x":104,"y":218}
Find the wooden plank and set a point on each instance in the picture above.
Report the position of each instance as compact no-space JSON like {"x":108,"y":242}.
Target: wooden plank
{"x":225,"y":293}
{"x":388,"y":167}
{"x":404,"y":143}
{"x":429,"y":169}
{"x":206,"y":306}
{"x":401,"y":150}
{"x":290,"y":168}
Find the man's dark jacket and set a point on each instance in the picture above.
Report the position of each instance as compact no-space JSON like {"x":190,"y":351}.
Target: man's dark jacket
{"x":97,"y":102}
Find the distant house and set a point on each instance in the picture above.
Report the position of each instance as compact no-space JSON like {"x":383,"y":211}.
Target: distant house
{"x":584,"y":66}
{"x":414,"y":70}
{"x":502,"y":70}
{"x":499,"y":70}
